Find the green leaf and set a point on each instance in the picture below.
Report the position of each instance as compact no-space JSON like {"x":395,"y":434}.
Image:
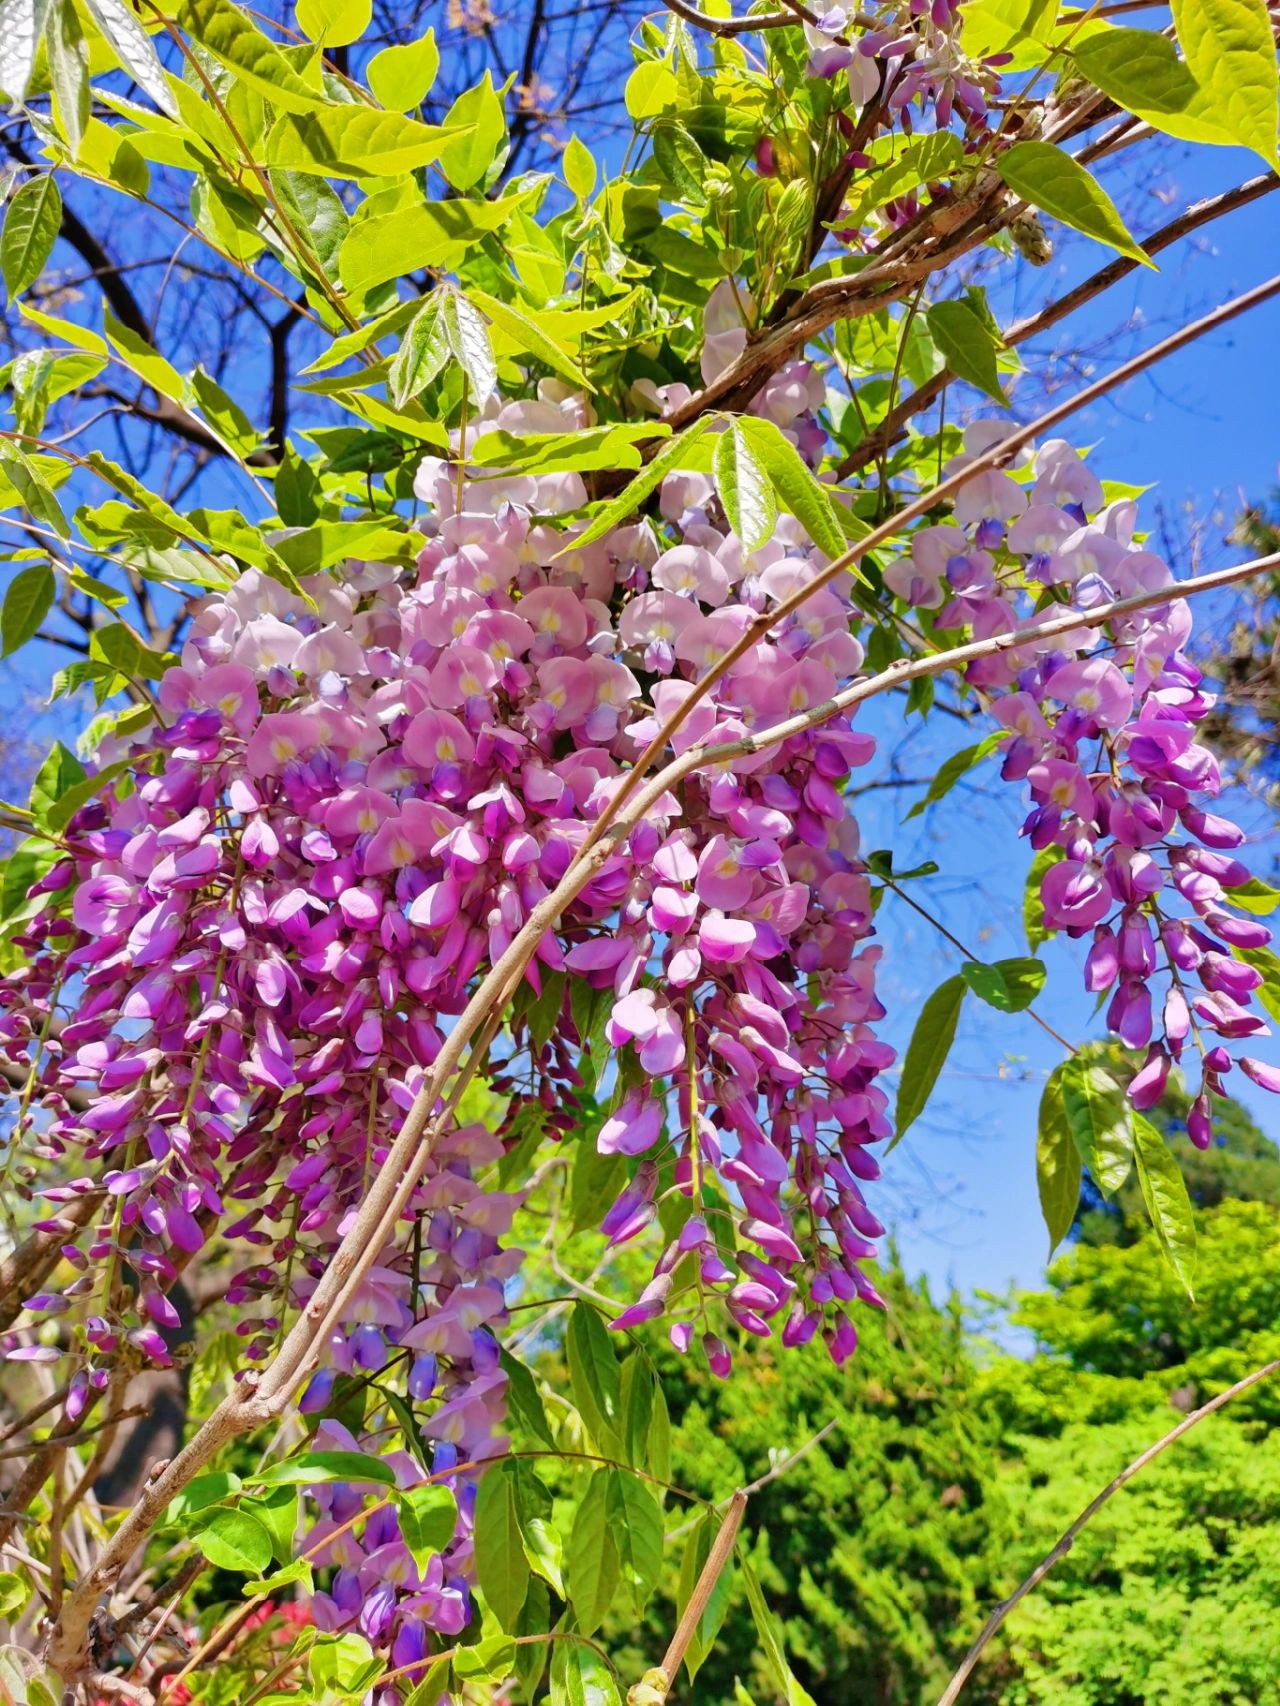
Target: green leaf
{"x":927,"y":1052}
{"x":33,"y":489}
{"x":1100,"y":1121}
{"x":636,"y":491}
{"x":639,"y":1384}
{"x":1139,"y":69}
{"x":277,"y":1511}
{"x":1032,"y":904}
{"x":795,"y":485}
{"x":1231,"y":52}
{"x":1008,"y":985}
{"x":525,"y":1402}
{"x":952,"y":769}
{"x":336,"y":23}
{"x":402,"y":77}
{"x":477,"y":114}
{"x":345,"y":1663}
{"x":319,"y":1466}
{"x":637,"y":1532}
{"x":595,"y":1377}
{"x":31,"y":225}
{"x":593,"y":1567}
{"x":468,"y":339}
{"x":681,"y":162}
{"x":353,"y":142}
{"x":228,"y":34}
{"x":580,"y":1676}
{"x":501,"y":1566}
{"x":1051,"y":180}
{"x":525,"y":332}
{"x":1266,"y":961}
{"x":21,"y":24}
{"x":1164,"y":1190}
{"x":143,"y":358}
{"x":966,"y":344}
{"x":1255,"y":896}
{"x":132,"y":47}
{"x":920,"y":162}
{"x":579,"y":168}
{"x":651,"y":89}
{"x":61,"y":771}
{"x":222,"y":412}
{"x":207,"y":1489}
{"x":428,"y":1520}
{"x":434,"y":1683}
{"x":316,"y":211}
{"x":234,"y":1540}
{"x":68,"y":54}
{"x":744,"y":488}
{"x":29,"y":861}
{"x":1058,"y":1166}
{"x":708,"y":1625}
{"x":770,"y":1632}
{"x":27,"y":602}
{"x":437,"y":234}
{"x":992,"y":26}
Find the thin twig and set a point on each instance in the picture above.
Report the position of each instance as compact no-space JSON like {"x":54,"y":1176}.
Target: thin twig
{"x":1068,"y":1540}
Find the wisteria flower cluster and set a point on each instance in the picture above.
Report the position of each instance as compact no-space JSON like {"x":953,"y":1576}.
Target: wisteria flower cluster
{"x":1102,"y":727}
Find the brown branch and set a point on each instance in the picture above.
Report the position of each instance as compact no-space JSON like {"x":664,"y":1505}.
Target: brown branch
{"x":656,"y":1684}
{"x":1070,"y":1536}
{"x":740,"y":26}
{"x":1191,"y":219}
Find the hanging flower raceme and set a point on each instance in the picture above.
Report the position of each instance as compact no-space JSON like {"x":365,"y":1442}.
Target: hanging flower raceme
{"x":1102,"y":726}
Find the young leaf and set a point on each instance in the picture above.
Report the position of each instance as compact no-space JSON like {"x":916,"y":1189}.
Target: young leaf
{"x":336,"y":23}
{"x":1051,"y":180}
{"x":927,"y":1052}
{"x":227,"y":33}
{"x":353,"y":142}
{"x":1164,"y":1190}
{"x":1139,"y":69}
{"x":402,"y":76}
{"x":21,"y":24}
{"x":1008,"y":985}
{"x":966,"y":344}
{"x":524,"y":331}
{"x":31,"y":225}
{"x":26,"y":604}
{"x":68,"y":54}
{"x":423,"y":351}
{"x":132,"y":47}
{"x":681,"y":161}
{"x":1032,"y":904}
{"x":796,"y":487}
{"x":1255,"y":896}
{"x":744,"y":489}
{"x":501,"y":1566}
{"x":636,"y":491}
{"x":482,"y":125}
{"x":1058,"y":1166}
{"x":592,"y":1562}
{"x":234,"y":1540}
{"x":1231,"y":53}
{"x":952,"y":769}
{"x":468,"y":338}
{"x":316,"y":212}
{"x":1100,"y":1120}
{"x":579,"y":168}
